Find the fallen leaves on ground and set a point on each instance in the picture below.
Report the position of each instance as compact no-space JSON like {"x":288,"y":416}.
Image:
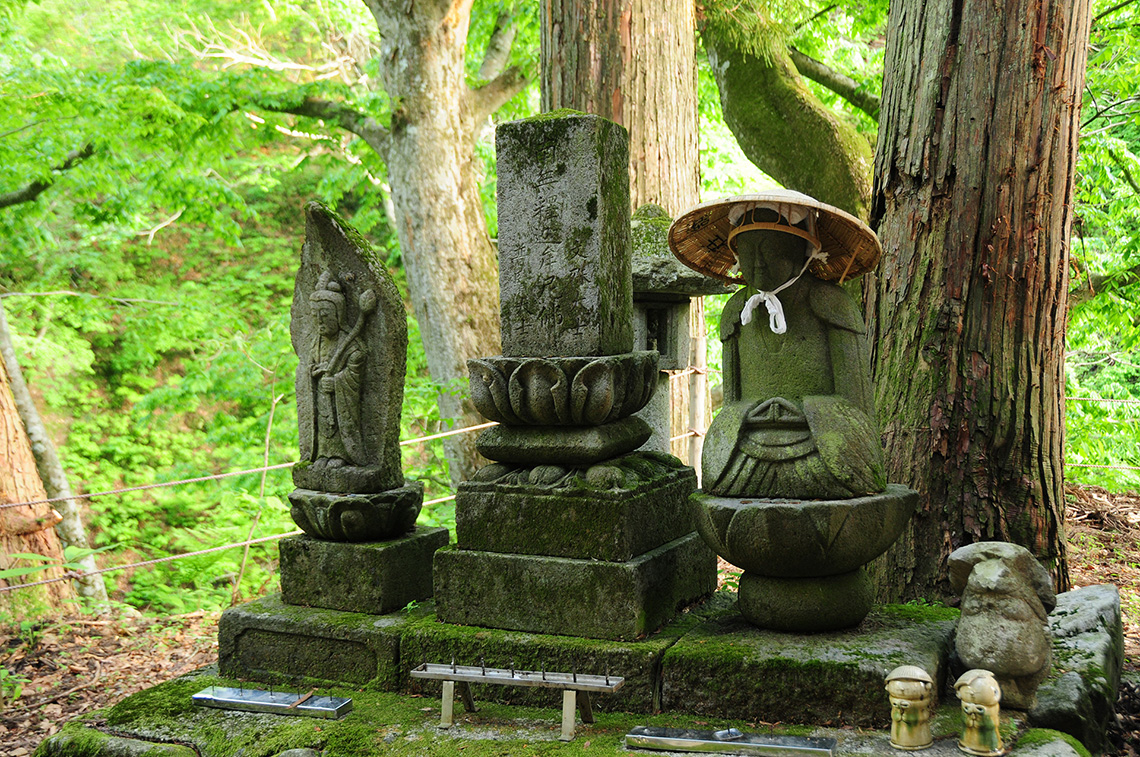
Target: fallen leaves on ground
{"x":75,"y":665}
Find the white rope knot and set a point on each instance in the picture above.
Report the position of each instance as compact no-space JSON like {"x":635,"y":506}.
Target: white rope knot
{"x":776,"y":320}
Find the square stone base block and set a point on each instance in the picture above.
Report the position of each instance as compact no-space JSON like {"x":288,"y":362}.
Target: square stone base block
{"x":571,"y":597}
{"x":270,"y":641}
{"x":614,"y":524}
{"x":368,"y":577}
{"x":728,"y":668}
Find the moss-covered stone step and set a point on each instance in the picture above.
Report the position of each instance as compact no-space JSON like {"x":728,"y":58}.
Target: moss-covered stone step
{"x":587,"y":598}
{"x":1088,"y":653}
{"x":639,"y":662}
{"x":726,"y":667}
{"x":368,"y":577}
{"x":268,"y":640}
{"x":162,"y":722}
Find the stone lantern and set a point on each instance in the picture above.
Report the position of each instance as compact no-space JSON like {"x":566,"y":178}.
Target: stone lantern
{"x":663,"y":293}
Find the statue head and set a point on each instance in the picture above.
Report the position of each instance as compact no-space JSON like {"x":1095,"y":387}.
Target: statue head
{"x":908,"y":683}
{"x":771,"y":248}
{"x":327,"y":303}
{"x":979,"y":688}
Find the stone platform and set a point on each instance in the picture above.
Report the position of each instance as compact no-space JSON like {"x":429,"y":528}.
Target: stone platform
{"x":596,"y":598}
{"x":706,"y":668}
{"x":604,"y":552}
{"x":161,"y":722}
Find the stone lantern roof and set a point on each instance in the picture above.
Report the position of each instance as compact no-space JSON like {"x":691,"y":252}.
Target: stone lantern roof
{"x":656,"y":271}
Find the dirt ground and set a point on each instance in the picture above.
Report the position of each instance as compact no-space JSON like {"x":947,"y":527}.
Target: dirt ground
{"x":75,"y":665}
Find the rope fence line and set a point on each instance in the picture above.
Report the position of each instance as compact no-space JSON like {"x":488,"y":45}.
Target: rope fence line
{"x":1109,"y":467}
{"x":80,"y":574}
{"x":1102,"y":399}
{"x":144,"y":487}
{"x":69,"y":575}
{"x":217,"y":476}
{"x":691,"y":432}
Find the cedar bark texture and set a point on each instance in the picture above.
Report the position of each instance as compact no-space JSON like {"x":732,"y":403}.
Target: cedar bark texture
{"x":633,"y":62}
{"x":24,"y":529}
{"x":967,"y":311}
{"x":70,"y":529}
{"x":439,"y":214}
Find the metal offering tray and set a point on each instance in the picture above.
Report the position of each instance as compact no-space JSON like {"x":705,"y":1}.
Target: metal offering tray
{"x":728,"y":741}
{"x":276,"y":702}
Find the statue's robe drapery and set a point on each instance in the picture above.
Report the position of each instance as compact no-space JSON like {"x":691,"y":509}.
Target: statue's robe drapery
{"x":336,"y":401}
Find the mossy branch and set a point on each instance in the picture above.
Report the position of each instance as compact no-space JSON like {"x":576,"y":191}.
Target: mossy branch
{"x":840,"y":84}
{"x":35,"y":188}
{"x":491,"y":96}
{"x":498,"y":51}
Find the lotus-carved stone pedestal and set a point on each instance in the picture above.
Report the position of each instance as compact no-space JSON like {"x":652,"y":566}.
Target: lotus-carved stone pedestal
{"x":357,"y":517}
{"x":803,"y":561}
{"x":563,"y":410}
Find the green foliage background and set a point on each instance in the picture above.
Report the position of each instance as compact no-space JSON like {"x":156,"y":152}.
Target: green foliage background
{"x":167,"y":355}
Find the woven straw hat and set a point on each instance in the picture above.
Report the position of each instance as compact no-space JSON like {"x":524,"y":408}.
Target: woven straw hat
{"x":702,"y":238}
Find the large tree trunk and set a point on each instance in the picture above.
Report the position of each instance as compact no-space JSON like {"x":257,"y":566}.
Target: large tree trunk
{"x":785,"y":130}
{"x":447,"y":252}
{"x":55,"y":483}
{"x":25,"y":529}
{"x":967,"y":312}
{"x":634,"y":62}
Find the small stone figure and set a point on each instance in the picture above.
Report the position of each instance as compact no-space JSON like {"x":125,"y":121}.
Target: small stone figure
{"x":1004,"y":628}
{"x":909,"y":688}
{"x":980,"y":695}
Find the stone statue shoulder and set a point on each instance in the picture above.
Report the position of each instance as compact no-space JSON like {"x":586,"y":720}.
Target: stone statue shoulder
{"x":730,"y":316}
{"x":834,"y":306}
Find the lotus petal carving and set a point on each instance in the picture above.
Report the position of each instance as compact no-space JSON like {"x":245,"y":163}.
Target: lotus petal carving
{"x":562,"y":391}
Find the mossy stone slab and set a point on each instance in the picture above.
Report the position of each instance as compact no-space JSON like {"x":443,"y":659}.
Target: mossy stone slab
{"x":268,"y":640}
{"x":637,"y":661}
{"x":562,"y":445}
{"x":368,"y":577}
{"x":614,"y":525}
{"x":728,"y":668}
{"x":565,"y":277}
{"x":560,"y":595}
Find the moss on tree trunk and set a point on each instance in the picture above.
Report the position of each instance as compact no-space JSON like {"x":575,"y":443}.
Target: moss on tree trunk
{"x":967,"y":311}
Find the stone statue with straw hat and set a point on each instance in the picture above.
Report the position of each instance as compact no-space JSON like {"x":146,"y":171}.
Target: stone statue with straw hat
{"x":795,"y":487}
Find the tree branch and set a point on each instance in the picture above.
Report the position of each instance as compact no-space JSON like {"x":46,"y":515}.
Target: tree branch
{"x":840,"y":84}
{"x":1112,"y":10}
{"x":39,"y":186}
{"x":1097,"y":282}
{"x":488,"y":98}
{"x":1124,"y":169}
{"x":498,"y":47}
{"x":340,"y":114}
